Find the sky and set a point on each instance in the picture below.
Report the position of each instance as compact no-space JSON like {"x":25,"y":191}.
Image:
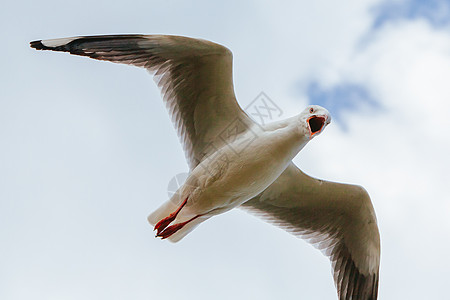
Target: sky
{"x":87,"y":149}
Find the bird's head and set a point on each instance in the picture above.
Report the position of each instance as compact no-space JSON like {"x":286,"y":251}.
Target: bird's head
{"x":315,"y":118}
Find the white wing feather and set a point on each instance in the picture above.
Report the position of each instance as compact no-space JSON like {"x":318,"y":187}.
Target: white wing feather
{"x":337,"y":218}
{"x":195,"y":77}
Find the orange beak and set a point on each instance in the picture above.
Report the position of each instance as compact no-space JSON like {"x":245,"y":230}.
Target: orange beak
{"x":316,"y":124}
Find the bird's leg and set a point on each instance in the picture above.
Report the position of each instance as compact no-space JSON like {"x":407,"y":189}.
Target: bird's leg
{"x":161,"y":225}
{"x":174,"y":228}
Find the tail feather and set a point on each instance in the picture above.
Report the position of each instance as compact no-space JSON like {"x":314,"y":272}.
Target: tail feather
{"x":163,"y":211}
{"x":180,"y":234}
{"x":169,"y":207}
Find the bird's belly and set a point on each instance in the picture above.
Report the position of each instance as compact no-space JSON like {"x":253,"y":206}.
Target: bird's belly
{"x":230,"y":184}
{"x":239,"y":171}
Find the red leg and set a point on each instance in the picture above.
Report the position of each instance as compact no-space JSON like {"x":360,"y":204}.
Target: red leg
{"x":174,"y":228}
{"x":161,"y":225}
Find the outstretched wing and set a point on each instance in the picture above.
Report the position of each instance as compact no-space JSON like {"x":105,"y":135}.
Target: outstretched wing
{"x":195,"y":78}
{"x":337,"y":218}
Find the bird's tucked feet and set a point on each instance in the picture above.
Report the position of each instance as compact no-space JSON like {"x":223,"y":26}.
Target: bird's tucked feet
{"x":165,"y":233}
{"x":161,"y":225}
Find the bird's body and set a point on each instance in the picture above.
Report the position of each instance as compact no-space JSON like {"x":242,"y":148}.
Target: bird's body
{"x":236,"y":163}
{"x":246,"y":164}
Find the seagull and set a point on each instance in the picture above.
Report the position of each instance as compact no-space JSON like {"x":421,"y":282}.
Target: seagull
{"x":235,"y":162}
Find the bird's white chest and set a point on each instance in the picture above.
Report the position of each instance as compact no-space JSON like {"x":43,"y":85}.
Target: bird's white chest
{"x":242,"y":169}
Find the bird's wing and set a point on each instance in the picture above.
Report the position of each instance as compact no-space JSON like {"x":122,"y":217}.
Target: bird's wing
{"x":337,"y":218}
{"x":195,"y":78}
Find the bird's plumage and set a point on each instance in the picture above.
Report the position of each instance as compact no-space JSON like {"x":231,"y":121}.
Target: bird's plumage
{"x":336,"y":218}
{"x":195,"y":77}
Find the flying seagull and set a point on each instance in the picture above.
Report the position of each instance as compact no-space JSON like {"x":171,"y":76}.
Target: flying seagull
{"x":234,"y":162}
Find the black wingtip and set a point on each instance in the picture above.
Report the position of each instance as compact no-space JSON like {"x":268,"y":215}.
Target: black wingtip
{"x":38,"y":45}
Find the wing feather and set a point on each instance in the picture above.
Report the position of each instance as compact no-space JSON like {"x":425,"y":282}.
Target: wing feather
{"x":336,"y":218}
{"x":195,"y":78}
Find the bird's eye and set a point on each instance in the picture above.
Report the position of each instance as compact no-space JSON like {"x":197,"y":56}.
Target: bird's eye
{"x":311,"y":110}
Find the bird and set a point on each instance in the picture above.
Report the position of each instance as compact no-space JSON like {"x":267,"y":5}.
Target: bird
{"x":235,"y":162}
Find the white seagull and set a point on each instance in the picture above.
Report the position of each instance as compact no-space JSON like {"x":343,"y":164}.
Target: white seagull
{"x":235,"y":162}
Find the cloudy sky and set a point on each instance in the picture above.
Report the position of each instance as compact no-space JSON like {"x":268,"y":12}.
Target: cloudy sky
{"x":87,"y":149}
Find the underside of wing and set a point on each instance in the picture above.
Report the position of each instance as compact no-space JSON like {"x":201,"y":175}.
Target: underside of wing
{"x":194,"y":75}
{"x":336,"y":218}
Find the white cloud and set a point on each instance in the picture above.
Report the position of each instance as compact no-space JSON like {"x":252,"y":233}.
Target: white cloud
{"x":401,"y":153}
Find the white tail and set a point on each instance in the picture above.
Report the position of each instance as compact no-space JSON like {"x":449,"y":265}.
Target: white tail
{"x":169,"y":207}
{"x":180,"y":234}
{"x":163,"y":211}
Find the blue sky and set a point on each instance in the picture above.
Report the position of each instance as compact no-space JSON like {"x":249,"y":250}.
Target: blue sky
{"x":341,"y":99}
{"x":346,"y":97}
{"x":87,"y":149}
{"x":436,"y":12}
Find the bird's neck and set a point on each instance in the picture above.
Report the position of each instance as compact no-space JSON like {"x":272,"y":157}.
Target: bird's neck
{"x":288,"y":136}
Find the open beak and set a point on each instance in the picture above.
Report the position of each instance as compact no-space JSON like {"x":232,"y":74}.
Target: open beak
{"x":316,"y":124}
